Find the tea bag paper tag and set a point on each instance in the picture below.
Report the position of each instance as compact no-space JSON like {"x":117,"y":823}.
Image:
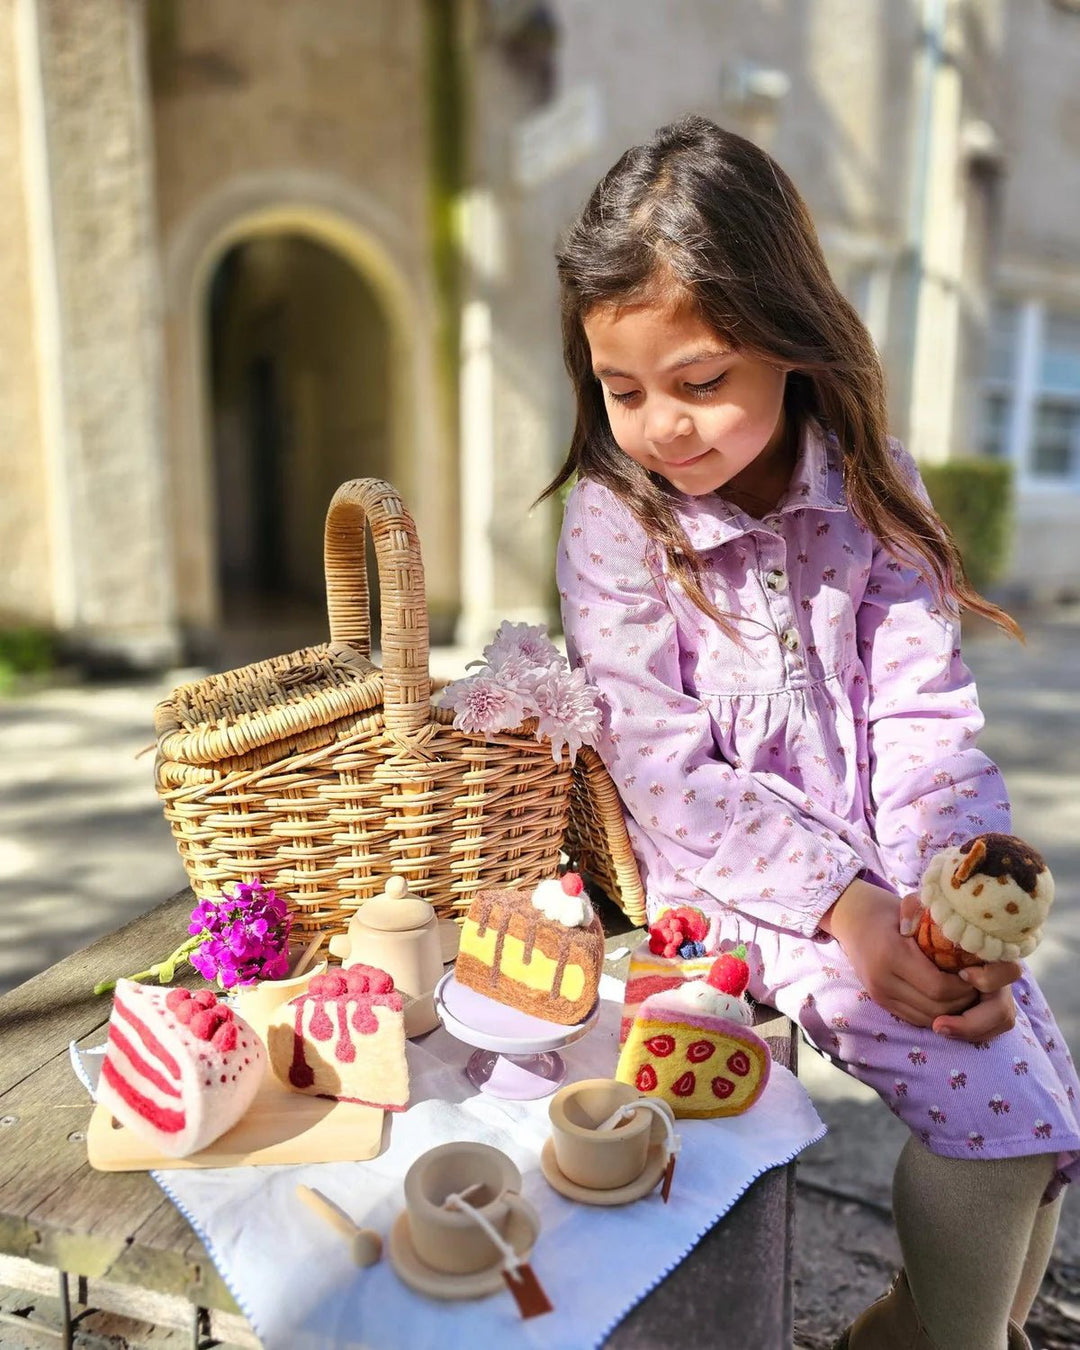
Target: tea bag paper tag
{"x":527,"y":1291}
{"x":669,"y":1173}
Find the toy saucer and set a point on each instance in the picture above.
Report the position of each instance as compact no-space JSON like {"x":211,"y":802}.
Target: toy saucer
{"x":655,"y":1164}
{"x":521,"y":1232}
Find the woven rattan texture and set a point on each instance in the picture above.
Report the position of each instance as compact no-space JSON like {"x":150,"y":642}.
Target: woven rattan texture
{"x":320,"y":774}
{"x":596,"y":837}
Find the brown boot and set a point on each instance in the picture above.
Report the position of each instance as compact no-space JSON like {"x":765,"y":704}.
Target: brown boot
{"x":893,"y":1323}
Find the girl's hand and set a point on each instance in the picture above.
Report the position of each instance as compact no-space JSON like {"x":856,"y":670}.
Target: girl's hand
{"x":995,"y":1009}
{"x":898,"y":977}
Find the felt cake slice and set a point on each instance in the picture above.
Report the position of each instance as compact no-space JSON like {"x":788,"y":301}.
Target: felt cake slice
{"x":541,"y":952}
{"x":690,"y":1045}
{"x":179,"y":1069}
{"x":344,"y":1038}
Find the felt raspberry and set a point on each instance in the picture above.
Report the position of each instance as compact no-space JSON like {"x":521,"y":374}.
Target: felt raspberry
{"x":693,"y":921}
{"x":730,"y":973}
{"x":679,"y":932}
{"x":331,"y":985}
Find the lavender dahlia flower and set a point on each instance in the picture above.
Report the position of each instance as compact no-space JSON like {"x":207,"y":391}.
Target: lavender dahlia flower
{"x":524,"y":675}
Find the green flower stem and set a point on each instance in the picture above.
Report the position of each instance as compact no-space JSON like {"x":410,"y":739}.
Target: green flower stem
{"x":162,"y":971}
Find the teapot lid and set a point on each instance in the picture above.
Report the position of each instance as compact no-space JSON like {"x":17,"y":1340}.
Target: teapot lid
{"x":397,"y":910}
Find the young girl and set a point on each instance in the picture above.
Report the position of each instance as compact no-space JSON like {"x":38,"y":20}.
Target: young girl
{"x":753,"y":578}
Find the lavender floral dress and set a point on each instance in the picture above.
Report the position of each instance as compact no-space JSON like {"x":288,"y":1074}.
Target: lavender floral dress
{"x":759,"y":779}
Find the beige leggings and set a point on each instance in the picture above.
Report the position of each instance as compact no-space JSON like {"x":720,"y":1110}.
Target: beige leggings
{"x":975,"y":1240}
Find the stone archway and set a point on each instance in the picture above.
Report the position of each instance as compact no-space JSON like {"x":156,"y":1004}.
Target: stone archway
{"x":298,"y":385}
{"x":420,"y":455}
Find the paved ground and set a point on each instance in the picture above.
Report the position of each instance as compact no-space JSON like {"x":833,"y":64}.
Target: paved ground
{"x":83,"y":847}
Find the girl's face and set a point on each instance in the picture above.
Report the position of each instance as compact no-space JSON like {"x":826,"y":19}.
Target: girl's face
{"x":680,"y":402}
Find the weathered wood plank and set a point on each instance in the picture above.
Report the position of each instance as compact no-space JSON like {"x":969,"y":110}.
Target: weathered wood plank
{"x":132,"y":1316}
{"x":40,"y":1017}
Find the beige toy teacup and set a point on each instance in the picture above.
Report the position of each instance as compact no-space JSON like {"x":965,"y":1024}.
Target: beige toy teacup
{"x":604,"y":1159}
{"x":445,"y":1238}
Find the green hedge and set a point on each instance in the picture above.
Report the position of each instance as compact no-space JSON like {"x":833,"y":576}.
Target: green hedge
{"x":974,"y":497}
{"x":24,"y":651}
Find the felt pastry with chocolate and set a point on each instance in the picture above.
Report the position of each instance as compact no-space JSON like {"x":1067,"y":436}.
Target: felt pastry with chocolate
{"x":986,"y":900}
{"x":540,"y":952}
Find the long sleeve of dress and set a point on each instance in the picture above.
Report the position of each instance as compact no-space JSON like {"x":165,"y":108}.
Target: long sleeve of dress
{"x":930,"y":786}
{"x":742,"y":838}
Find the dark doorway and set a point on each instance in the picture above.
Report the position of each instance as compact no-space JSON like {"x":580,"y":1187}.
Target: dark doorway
{"x":299,"y":380}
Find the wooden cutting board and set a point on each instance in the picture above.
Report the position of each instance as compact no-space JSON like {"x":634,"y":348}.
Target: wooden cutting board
{"x":278,"y":1127}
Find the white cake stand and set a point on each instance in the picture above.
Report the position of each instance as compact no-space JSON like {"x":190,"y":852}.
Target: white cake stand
{"x":516,"y":1055}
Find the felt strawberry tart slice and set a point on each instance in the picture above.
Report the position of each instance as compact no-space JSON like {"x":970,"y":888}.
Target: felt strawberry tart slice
{"x":692,"y":1045}
{"x":180,"y":1068}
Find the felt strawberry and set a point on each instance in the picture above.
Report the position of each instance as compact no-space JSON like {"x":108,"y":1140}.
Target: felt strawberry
{"x":571,"y":883}
{"x":730,"y":973}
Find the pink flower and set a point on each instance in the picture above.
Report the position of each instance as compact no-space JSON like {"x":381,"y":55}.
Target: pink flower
{"x":482,"y":704}
{"x":567,"y":712}
{"x":524,"y":640}
{"x":524,"y":675}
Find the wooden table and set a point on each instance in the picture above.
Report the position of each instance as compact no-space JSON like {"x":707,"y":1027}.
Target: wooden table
{"x":131,"y":1251}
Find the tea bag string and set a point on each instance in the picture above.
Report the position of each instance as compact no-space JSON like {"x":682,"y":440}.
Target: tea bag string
{"x":674,"y":1143}
{"x":510,"y":1259}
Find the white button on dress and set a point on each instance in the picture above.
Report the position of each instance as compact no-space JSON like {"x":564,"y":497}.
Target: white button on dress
{"x":776,"y":580}
{"x":790,"y":638}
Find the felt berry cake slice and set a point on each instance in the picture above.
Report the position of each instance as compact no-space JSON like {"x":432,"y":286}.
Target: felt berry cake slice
{"x":673,"y":953}
{"x":692,"y":1046}
{"x":180,"y":1069}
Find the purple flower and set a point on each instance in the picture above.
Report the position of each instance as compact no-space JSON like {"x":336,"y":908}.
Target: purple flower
{"x":245,"y":936}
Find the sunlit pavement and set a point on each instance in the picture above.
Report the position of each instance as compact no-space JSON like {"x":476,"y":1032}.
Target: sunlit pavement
{"x":84,"y":847}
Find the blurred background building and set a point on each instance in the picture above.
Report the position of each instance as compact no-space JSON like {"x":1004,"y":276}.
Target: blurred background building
{"x":250,"y":250}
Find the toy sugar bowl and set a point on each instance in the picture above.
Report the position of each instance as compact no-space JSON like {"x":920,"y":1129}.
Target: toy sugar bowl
{"x":398,"y":932}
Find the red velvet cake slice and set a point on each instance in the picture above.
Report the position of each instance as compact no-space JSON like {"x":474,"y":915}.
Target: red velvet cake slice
{"x":344,"y":1038}
{"x":180,"y":1068}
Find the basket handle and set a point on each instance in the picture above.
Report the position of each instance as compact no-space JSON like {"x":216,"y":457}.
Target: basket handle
{"x":359,"y":505}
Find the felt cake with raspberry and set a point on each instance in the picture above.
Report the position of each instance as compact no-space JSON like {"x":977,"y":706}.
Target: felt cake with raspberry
{"x":692,"y":1046}
{"x":179,"y":1068}
{"x":540,"y":951}
{"x":344,"y":1038}
{"x":673,"y":953}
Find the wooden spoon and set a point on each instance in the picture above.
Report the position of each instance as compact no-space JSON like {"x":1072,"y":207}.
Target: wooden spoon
{"x":366,"y":1244}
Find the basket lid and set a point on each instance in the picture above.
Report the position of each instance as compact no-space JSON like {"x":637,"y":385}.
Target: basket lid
{"x":238,"y":711}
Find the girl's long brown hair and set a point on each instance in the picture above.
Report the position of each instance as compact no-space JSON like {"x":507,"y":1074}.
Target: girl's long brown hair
{"x":703,"y":213}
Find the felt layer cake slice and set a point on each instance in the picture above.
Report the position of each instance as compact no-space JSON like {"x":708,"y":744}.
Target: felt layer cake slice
{"x":179,"y":1068}
{"x":344,"y":1038}
{"x":690,"y":1045}
{"x":541,"y":952}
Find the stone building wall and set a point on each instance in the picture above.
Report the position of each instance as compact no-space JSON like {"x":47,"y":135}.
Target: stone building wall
{"x":313,"y":121}
{"x":26,"y":592}
{"x":100,"y":185}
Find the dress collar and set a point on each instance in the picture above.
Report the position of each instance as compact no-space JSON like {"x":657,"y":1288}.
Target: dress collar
{"x":817,"y":484}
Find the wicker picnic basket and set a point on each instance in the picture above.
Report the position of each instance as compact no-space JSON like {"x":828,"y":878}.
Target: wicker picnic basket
{"x":596,"y":837}
{"x":320,"y":773}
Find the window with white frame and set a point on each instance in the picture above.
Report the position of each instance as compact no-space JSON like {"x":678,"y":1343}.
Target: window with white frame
{"x":1031,"y":394}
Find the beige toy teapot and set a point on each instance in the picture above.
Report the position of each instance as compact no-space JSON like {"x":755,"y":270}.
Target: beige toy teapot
{"x":398,"y":932}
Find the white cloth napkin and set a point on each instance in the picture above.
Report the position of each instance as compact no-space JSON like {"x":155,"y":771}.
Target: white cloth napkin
{"x":295,"y":1281}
